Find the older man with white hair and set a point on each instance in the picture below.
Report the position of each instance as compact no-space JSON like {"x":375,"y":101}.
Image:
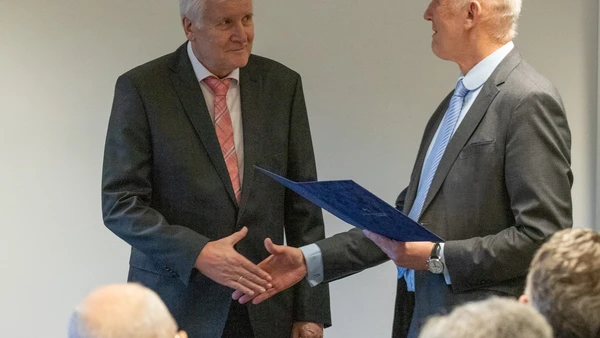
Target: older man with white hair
{"x":123,"y":311}
{"x":180,"y":186}
{"x":492,"y":177}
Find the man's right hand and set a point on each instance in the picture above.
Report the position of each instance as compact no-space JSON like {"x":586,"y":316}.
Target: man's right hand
{"x":220,"y":262}
{"x":287,"y":267}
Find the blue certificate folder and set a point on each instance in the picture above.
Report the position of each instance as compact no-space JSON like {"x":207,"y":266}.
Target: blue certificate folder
{"x":357,"y":206}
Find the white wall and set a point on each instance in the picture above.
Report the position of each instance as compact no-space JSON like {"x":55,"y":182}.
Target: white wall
{"x":370,"y":80}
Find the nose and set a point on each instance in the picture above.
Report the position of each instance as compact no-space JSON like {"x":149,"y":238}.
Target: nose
{"x":428,"y":12}
{"x":239,"y":33}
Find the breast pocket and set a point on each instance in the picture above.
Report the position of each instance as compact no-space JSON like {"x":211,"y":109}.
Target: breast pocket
{"x":477,"y":149}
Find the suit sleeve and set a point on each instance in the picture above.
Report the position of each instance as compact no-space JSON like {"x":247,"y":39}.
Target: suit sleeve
{"x":350,"y":252}
{"x":401,"y":200}
{"x":127,"y":188}
{"x":347,"y":253}
{"x":538,"y":180}
{"x":304,"y":220}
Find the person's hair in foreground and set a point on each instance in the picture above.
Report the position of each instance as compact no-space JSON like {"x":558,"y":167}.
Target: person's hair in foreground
{"x":494,"y":317}
{"x":563,"y":283}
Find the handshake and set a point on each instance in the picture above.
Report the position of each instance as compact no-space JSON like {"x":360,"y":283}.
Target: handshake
{"x":286,"y":266}
{"x":220,"y":262}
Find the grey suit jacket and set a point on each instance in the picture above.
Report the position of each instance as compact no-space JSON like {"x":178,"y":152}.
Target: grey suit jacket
{"x":166,"y":190}
{"x":501,"y":189}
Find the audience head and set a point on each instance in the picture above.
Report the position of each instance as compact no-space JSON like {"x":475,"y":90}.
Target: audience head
{"x":123,"y":311}
{"x":491,"y":318}
{"x":563,"y":283}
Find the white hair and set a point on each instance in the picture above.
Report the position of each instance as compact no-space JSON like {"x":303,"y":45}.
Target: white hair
{"x":192,"y":9}
{"x":122,"y":311}
{"x":504,"y":20}
{"x":494,"y":317}
{"x":563,"y":283}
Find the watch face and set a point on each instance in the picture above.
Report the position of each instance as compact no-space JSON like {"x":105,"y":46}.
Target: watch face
{"x":435,"y":266}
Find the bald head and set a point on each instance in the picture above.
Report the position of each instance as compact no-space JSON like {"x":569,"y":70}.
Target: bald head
{"x":494,"y":317}
{"x":122,"y":310}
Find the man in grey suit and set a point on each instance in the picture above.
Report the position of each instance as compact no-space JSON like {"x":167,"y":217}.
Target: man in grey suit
{"x":179,"y":183}
{"x":492,"y":177}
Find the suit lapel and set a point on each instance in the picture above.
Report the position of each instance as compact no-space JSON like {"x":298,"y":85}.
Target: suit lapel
{"x":188,"y":89}
{"x":253,"y":120}
{"x":470,"y":122}
{"x":432,"y":126}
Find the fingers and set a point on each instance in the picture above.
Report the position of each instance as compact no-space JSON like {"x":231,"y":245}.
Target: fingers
{"x":236,"y":294}
{"x":241,"y":286}
{"x":256,"y":298}
{"x":246,"y":286}
{"x":255,"y":274}
{"x":237,"y":236}
{"x":383,"y":242}
{"x":220,"y":262}
{"x":246,"y":298}
{"x":261,"y":297}
{"x":307,"y":330}
{"x":253,"y":281}
{"x":374,"y":237}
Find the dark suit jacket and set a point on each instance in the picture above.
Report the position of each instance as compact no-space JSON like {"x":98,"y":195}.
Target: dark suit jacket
{"x":166,"y":190}
{"x":501,"y":189}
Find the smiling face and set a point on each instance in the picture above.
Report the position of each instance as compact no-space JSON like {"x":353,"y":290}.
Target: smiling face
{"x":448,"y":25}
{"x":222,"y":40}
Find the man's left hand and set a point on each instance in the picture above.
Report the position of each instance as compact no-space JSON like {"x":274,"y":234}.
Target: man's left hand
{"x":307,"y":330}
{"x":410,"y":255}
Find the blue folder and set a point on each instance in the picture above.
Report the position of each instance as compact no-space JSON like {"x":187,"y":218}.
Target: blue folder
{"x":357,"y":206}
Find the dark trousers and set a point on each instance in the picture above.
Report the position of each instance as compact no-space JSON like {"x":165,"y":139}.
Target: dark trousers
{"x":403,"y":312}
{"x":238,"y":322}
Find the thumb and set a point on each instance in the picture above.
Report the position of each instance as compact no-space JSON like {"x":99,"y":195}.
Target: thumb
{"x":237,"y":236}
{"x":272,"y":248}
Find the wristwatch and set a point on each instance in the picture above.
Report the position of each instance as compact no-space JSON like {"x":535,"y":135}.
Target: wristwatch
{"x":434,"y":263}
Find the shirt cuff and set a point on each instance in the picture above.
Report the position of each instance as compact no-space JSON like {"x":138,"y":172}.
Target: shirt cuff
{"x":443,"y":260}
{"x":314,"y":264}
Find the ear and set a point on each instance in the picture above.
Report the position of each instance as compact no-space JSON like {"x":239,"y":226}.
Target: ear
{"x":524,"y":299}
{"x":187,"y":28}
{"x":182,"y":334}
{"x":473,"y":14}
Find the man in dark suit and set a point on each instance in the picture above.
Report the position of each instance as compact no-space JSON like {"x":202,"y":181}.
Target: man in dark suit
{"x":179,"y":183}
{"x":492,"y":177}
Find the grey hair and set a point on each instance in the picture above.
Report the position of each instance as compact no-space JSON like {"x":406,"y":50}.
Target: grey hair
{"x":504,"y":20}
{"x":192,"y":9}
{"x":563,"y":283}
{"x":122,"y":311}
{"x":494,"y":317}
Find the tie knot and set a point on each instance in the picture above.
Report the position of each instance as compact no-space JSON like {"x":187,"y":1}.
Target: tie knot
{"x":219,"y":87}
{"x":460,"y":90}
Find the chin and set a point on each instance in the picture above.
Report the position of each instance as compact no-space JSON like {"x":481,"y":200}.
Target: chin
{"x":437,"y":52}
{"x":241,"y":61}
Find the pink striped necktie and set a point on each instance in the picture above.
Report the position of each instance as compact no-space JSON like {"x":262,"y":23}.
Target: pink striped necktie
{"x":224,"y":130}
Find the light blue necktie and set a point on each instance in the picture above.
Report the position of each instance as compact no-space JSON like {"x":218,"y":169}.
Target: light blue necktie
{"x":445,"y":133}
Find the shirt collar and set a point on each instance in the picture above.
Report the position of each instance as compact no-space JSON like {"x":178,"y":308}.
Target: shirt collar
{"x":477,"y":76}
{"x":201,"y":71}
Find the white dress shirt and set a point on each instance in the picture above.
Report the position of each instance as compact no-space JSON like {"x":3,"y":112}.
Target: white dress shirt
{"x":233,"y":103}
